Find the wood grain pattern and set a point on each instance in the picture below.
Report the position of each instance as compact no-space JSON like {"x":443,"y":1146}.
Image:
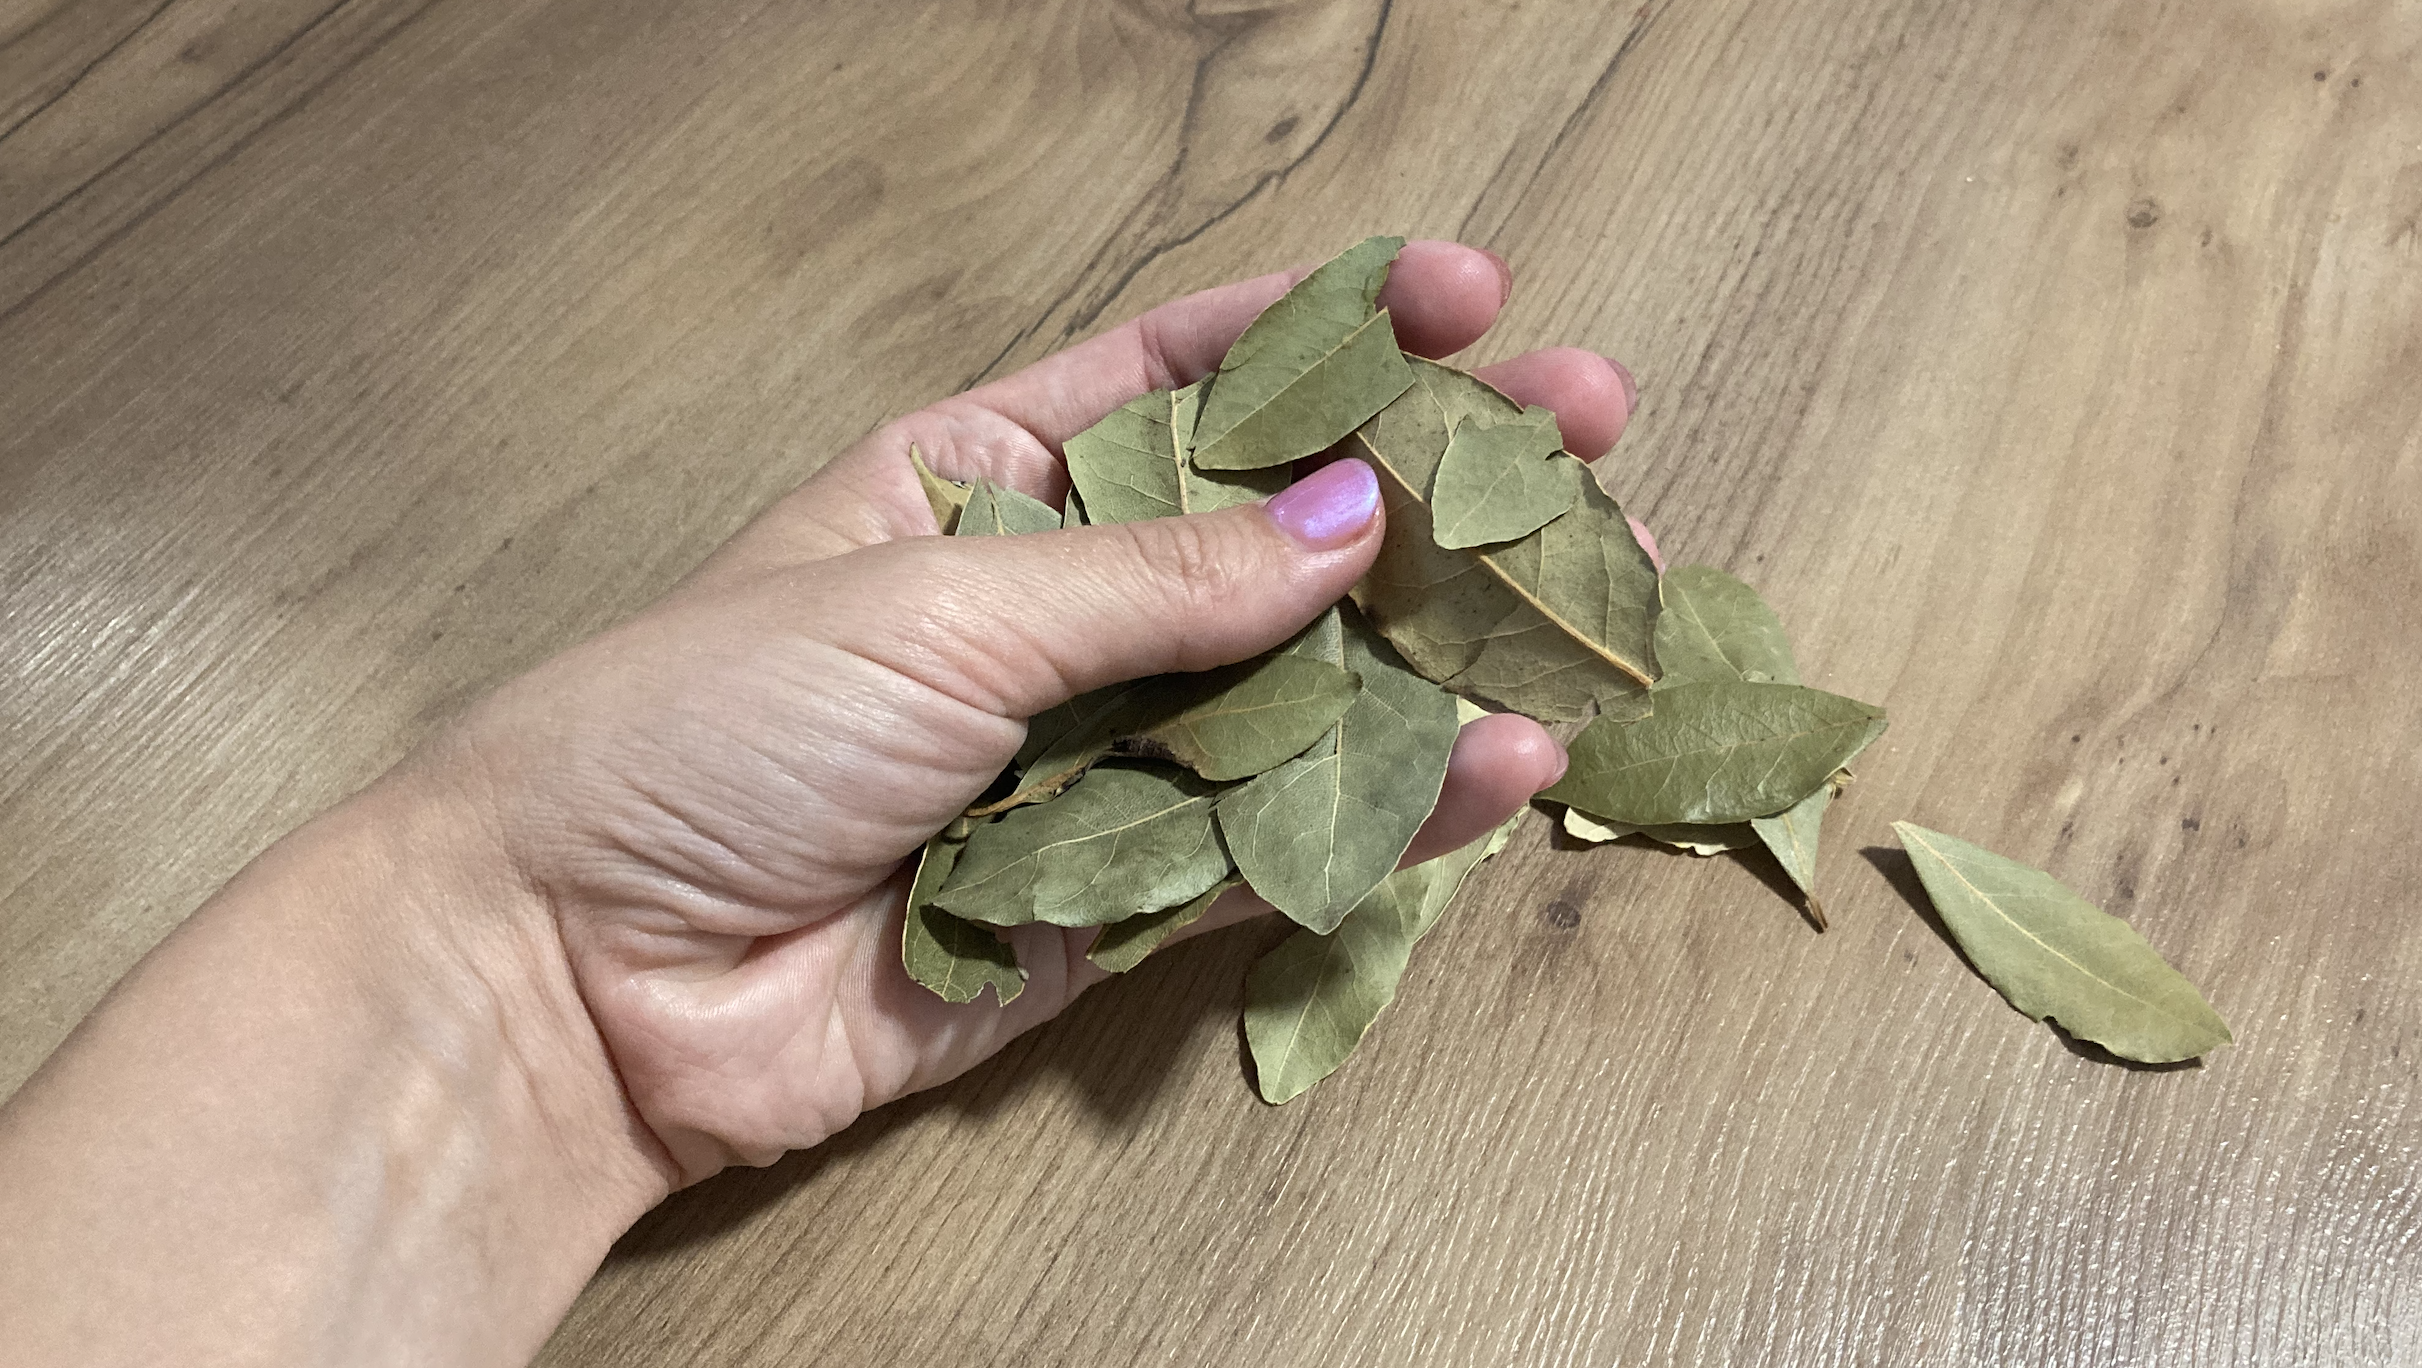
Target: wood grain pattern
{"x":2051,"y":367}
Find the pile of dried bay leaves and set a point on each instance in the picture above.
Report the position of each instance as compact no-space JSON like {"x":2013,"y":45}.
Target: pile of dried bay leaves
{"x":1507,"y":576}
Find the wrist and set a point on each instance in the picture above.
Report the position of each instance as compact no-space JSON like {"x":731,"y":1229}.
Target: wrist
{"x":465,"y":954}
{"x":367,"y":1086}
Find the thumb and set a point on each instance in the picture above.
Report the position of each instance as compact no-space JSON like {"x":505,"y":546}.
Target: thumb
{"x":1016,"y":625}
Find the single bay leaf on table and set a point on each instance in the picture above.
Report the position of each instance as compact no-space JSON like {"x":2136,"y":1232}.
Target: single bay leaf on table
{"x":1792,"y":837}
{"x":1311,"y":1000}
{"x":2056,"y":956}
{"x":1125,"y":840}
{"x":1316,"y":834}
{"x":1557,"y":624}
{"x":1123,"y":945}
{"x":1698,"y":840}
{"x":1310,"y":369}
{"x":954,"y":959}
{"x":998,"y":511}
{"x":1135,"y":464}
{"x":1715,"y":753}
{"x":1716,"y":629}
{"x":945,"y":497}
{"x":1502,"y":479}
{"x":1224,"y":724}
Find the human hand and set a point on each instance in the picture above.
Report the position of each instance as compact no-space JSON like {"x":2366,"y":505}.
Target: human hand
{"x":715,"y":803}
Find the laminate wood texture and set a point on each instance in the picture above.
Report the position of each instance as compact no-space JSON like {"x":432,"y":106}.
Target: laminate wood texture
{"x":2054,"y":367}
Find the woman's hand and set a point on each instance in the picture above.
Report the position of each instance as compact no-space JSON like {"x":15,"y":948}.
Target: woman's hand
{"x":637,"y":915}
{"x":717,"y":802}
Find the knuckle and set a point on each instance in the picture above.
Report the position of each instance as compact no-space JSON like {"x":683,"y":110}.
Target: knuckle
{"x":1191,"y":565}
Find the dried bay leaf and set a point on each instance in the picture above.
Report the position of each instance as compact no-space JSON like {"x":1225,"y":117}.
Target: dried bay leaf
{"x":1309,"y":370}
{"x":1224,"y":724}
{"x":1311,"y":1000}
{"x":1318,"y":833}
{"x":1072,"y":511}
{"x":2056,"y":956}
{"x":1556,"y":624}
{"x":945,"y":497}
{"x":1698,"y":840}
{"x":1061,"y":744}
{"x":1715,"y":753}
{"x":1235,"y":722}
{"x":1715,"y":628}
{"x":1125,"y":840}
{"x":954,"y":959}
{"x":1134,"y":464}
{"x":1123,"y":945}
{"x":1791,"y":835}
{"x":998,"y":511}
{"x":1500,"y":480}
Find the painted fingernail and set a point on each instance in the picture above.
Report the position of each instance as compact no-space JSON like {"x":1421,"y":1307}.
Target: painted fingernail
{"x":1647,"y":540}
{"x":1329,"y":507}
{"x":1631,"y":387}
{"x":1505,"y":276}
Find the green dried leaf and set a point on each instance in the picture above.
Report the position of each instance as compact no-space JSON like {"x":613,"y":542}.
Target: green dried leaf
{"x":1500,"y":480}
{"x":1123,"y":945}
{"x":1225,"y":724}
{"x":1698,"y":840}
{"x":1072,"y":511}
{"x":998,"y":511}
{"x":1312,"y":367}
{"x":1715,"y":753}
{"x":1133,"y":465}
{"x":953,"y":958}
{"x":1716,"y":629}
{"x":1125,"y":840}
{"x":1064,"y":742}
{"x":1319,"y":832}
{"x":1555,"y":624}
{"x":2056,"y":956}
{"x":1311,"y":1000}
{"x":945,"y":497}
{"x":1792,"y":835}
{"x":1235,"y":722}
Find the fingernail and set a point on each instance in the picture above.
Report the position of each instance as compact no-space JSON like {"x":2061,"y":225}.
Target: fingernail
{"x":1505,"y":276}
{"x":1647,"y":540}
{"x":1631,"y":387}
{"x":1329,"y":507}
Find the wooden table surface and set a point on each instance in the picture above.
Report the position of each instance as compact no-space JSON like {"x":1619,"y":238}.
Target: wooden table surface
{"x":2055,"y":367}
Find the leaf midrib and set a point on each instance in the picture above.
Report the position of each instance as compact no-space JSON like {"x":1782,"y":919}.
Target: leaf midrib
{"x":1638,"y":673}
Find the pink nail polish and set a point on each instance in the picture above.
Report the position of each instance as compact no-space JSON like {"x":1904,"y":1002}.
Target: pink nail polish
{"x":1631,"y":387}
{"x":1329,"y":507}
{"x":1647,"y":540}
{"x":1505,"y":276}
